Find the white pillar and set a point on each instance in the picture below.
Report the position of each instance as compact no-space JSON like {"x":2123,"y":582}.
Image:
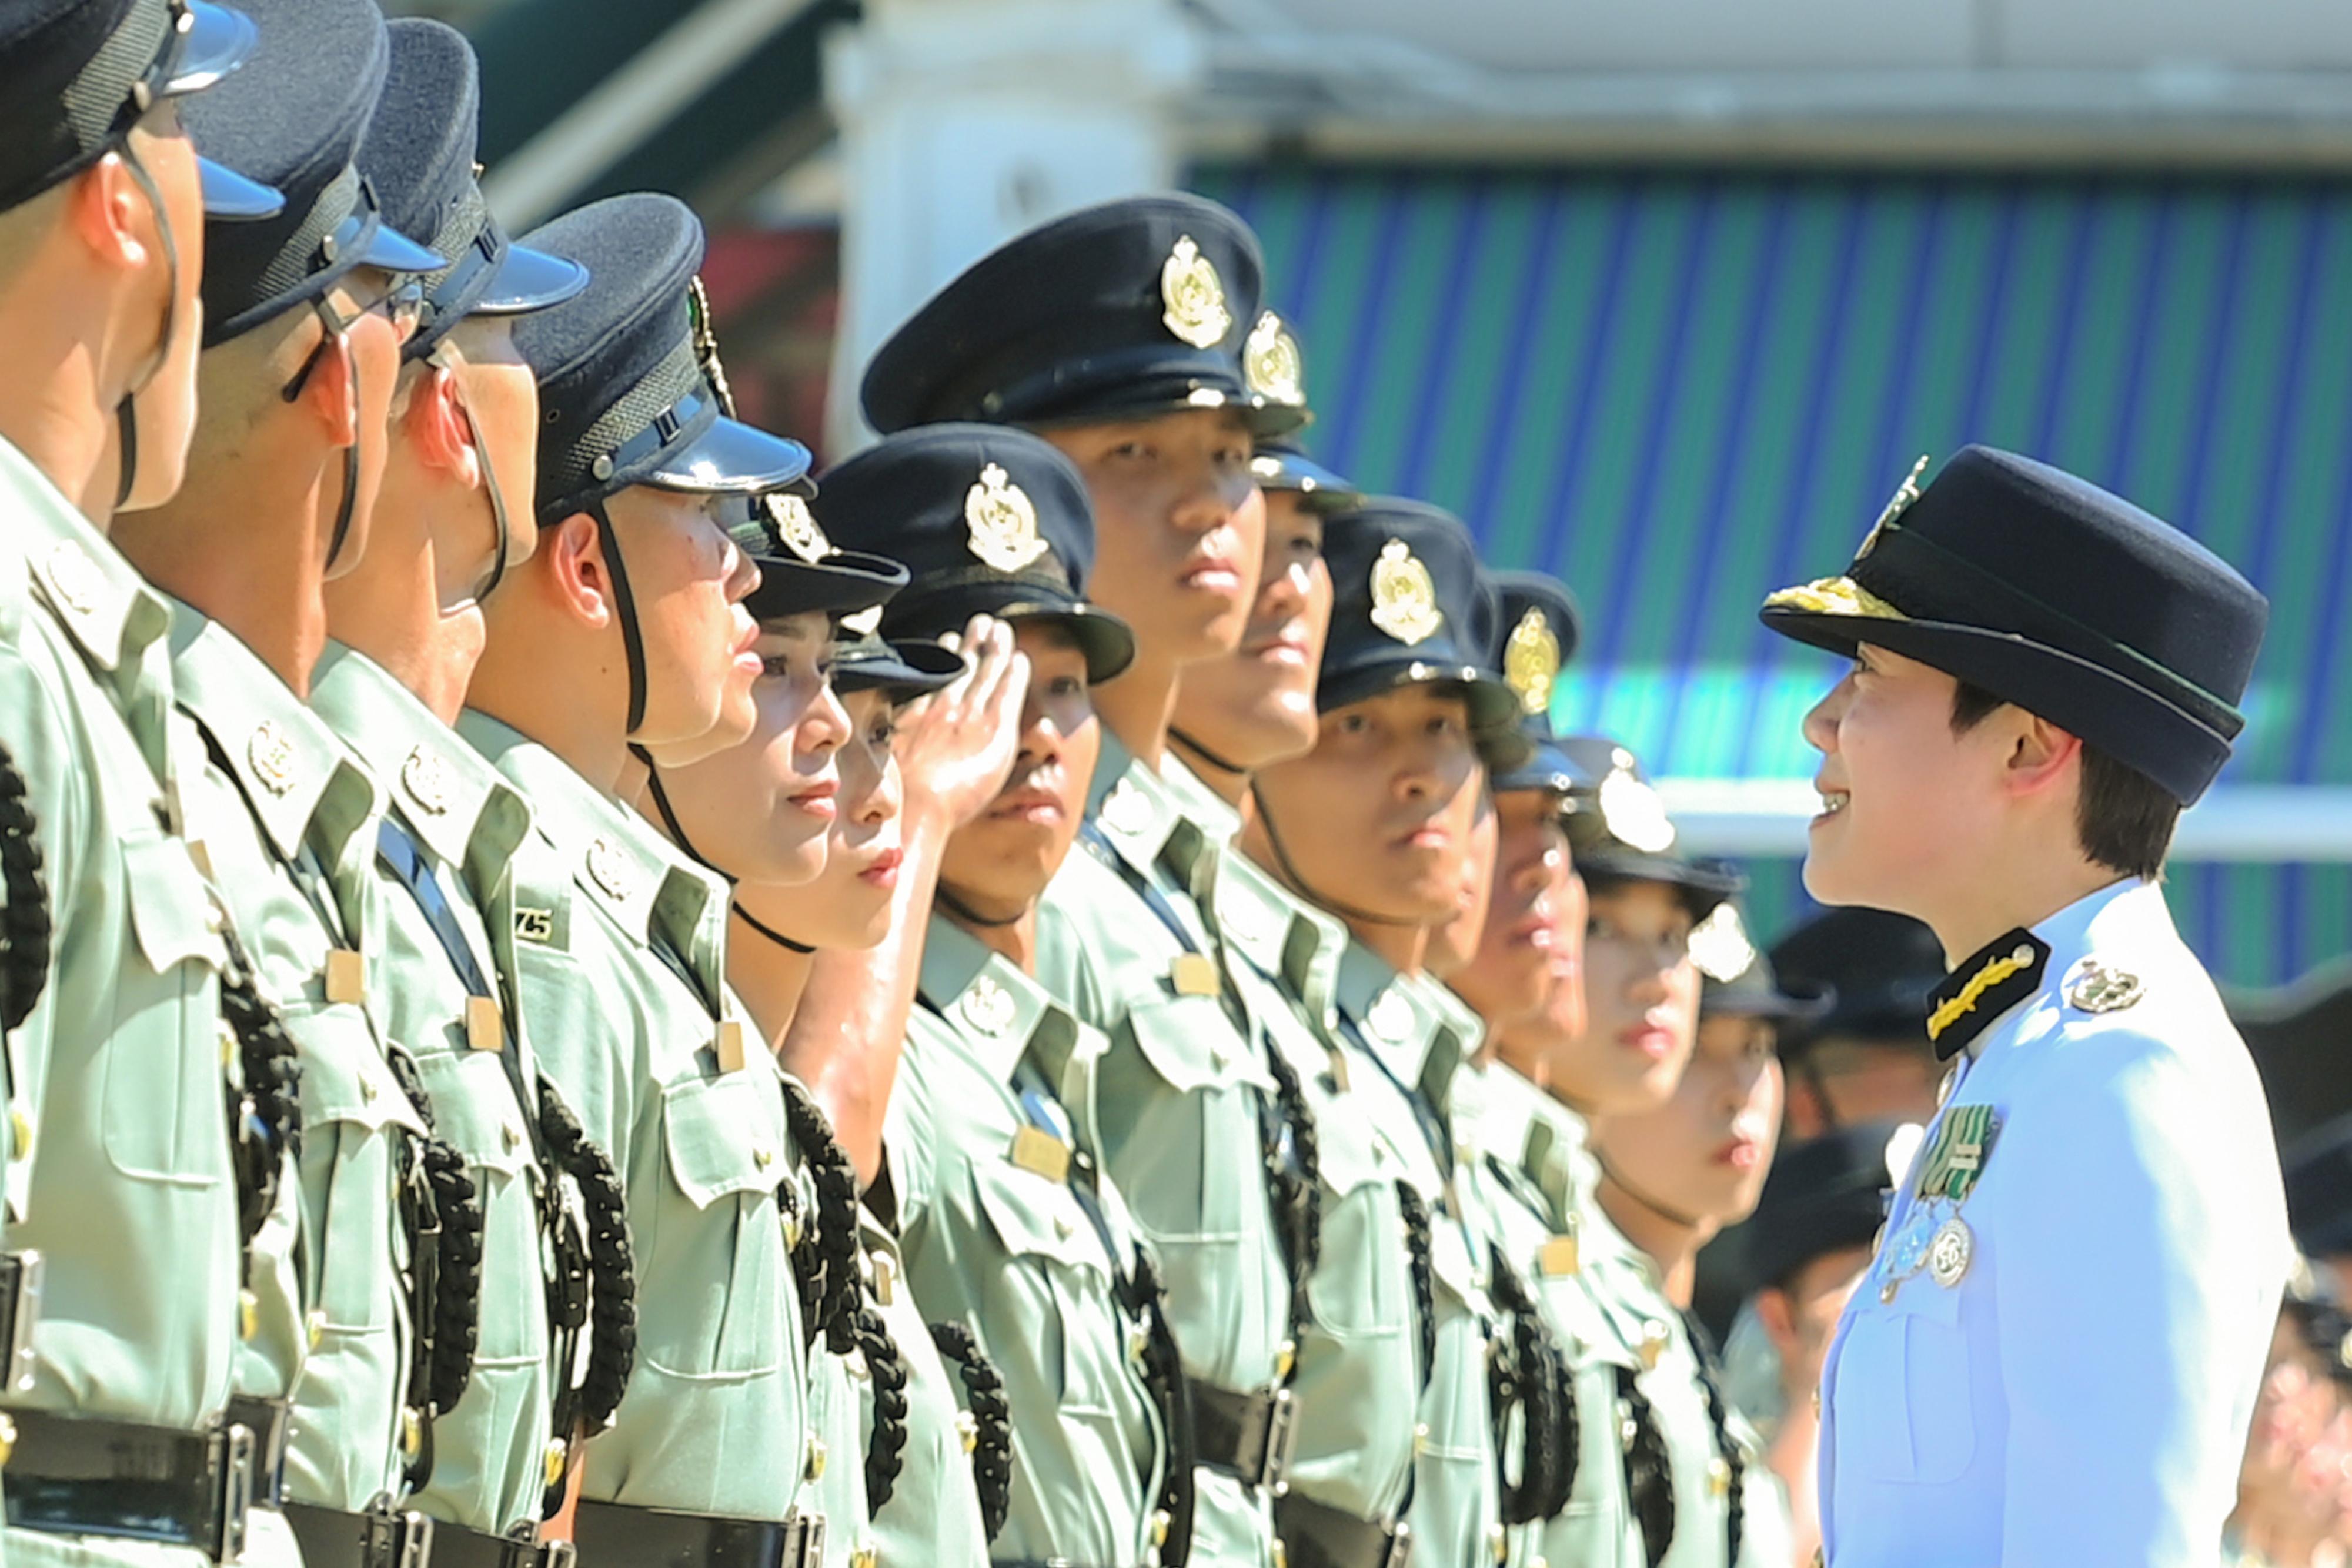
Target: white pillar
{"x":965,"y":121}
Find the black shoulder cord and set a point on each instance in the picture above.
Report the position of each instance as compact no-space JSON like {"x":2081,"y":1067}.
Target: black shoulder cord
{"x":1414,"y":1211}
{"x":1531,"y":1373}
{"x":1649,"y":1471}
{"x":264,"y":1105}
{"x":824,"y":1264}
{"x":442,"y":1211}
{"x":1727,"y":1446}
{"x":989,"y":1439}
{"x":887,"y":1370}
{"x":25,"y":929}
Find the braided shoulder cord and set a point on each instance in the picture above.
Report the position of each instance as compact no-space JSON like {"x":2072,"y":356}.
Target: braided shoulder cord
{"x":825,"y":1262}
{"x":885,"y":1449}
{"x":1733,"y":1476}
{"x":1531,"y":1372}
{"x":24,"y":931}
{"x":265,"y":1107}
{"x":602,"y":1291}
{"x":990,"y":1438}
{"x":1424,"y":1275}
{"x":1294,"y":1178}
{"x":1164,"y":1370}
{"x":1649,"y":1473}
{"x":444,"y":1215}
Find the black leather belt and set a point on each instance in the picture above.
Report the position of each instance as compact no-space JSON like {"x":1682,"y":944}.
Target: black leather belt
{"x":1317,"y":1535}
{"x":1245,"y":1435}
{"x":655,"y":1538}
{"x":20,"y":1309}
{"x":454,"y":1546}
{"x":381,"y":1536}
{"x":268,"y":1420}
{"x":74,"y":1476}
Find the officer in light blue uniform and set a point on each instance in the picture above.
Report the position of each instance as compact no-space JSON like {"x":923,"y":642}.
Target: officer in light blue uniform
{"x":2055,"y":1353}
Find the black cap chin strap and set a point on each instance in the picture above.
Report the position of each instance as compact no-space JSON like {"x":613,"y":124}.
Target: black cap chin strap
{"x":443,"y":358}
{"x":669,"y":814}
{"x":1290,"y":873}
{"x":633,"y":642}
{"x":1201,"y":752}
{"x":126,"y":412}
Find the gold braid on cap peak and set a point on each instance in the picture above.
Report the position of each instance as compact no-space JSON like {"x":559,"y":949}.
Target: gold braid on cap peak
{"x":706,"y":345}
{"x":1834,"y":596}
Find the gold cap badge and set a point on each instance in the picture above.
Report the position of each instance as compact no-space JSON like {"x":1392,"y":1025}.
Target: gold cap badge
{"x":1404,"y":600}
{"x":1904,"y":494}
{"x":270,"y":752}
{"x":1531,"y":661}
{"x":797,"y":526}
{"x":1720,"y":947}
{"x":1632,"y":810}
{"x":1193,"y":297}
{"x":1003,"y":523}
{"x":865,"y":623}
{"x":1271,"y":363}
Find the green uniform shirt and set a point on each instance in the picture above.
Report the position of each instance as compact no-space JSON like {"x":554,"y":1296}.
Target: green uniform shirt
{"x":1399,"y":1036}
{"x":119,"y":1166}
{"x":619,"y":966}
{"x":932,"y":1518}
{"x":995,"y":1236}
{"x":1183,"y":1083}
{"x":284,"y":819}
{"x":463,"y":822}
{"x":1359,"y":1377}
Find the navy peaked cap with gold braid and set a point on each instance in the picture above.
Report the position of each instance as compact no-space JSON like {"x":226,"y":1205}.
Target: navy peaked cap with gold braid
{"x":1536,"y":630}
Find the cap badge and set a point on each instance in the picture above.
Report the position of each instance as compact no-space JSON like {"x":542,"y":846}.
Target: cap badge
{"x":426,"y":777}
{"x":796,"y":526}
{"x":987,"y":1007}
{"x":1002,"y":521}
{"x":865,"y":623}
{"x":1904,"y":494}
{"x":2097,"y":988}
{"x":270,"y":752}
{"x":1720,"y":947}
{"x":1193,"y":297}
{"x":1404,"y":600}
{"x":1271,"y":363}
{"x":1531,"y":661}
{"x":1633,"y":813}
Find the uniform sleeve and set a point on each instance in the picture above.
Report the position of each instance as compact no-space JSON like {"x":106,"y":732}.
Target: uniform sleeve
{"x":2121,"y":1299}
{"x":46,"y":749}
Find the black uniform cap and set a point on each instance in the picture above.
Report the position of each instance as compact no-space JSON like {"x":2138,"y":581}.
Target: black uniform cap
{"x":81,"y":73}
{"x":1536,"y":632}
{"x":1738,"y":980}
{"x":1133,"y":308}
{"x":2050,"y":593}
{"x":2318,"y":1171}
{"x":1880,"y":968}
{"x":990,"y":520}
{"x":908,"y":668}
{"x":292,"y":118}
{"x":1622,"y":833}
{"x":420,"y":152}
{"x":1274,"y":370}
{"x":1823,"y":1195}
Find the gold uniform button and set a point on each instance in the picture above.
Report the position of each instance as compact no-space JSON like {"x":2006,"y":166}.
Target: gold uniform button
{"x":20,"y":1130}
{"x":314,"y":1327}
{"x":1498,"y":1543}
{"x":814,"y":1469}
{"x":863,"y":1557}
{"x":7,"y":1439}
{"x":764,"y":1156}
{"x":412,"y":1432}
{"x":1159,"y":1527}
{"x":1281,"y":1556}
{"x":1718,"y":1479}
{"x":248,"y":1314}
{"x":511,"y":1139}
{"x":367,"y":1089}
{"x":1284,"y":1359}
{"x":552,"y":1462}
{"x":1420,"y":1439}
{"x":967,"y":1427}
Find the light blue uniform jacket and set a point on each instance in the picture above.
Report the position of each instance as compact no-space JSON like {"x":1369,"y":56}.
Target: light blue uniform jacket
{"x":2079,"y":1397}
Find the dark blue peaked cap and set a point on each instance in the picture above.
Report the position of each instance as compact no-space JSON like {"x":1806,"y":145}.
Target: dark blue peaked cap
{"x":292,"y":118}
{"x":988,"y":520}
{"x":1406,"y":609}
{"x":81,"y":73}
{"x":2050,"y":593}
{"x":1536,"y":632}
{"x":420,"y":152}
{"x":1622,"y":831}
{"x":1133,"y":308}
{"x":624,"y":396}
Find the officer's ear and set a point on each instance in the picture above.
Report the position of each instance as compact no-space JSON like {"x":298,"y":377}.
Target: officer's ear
{"x":1776,"y":1313}
{"x":329,"y":391}
{"x":571,"y":556}
{"x":435,"y":423}
{"x":2039,"y":753}
{"x":111,"y":215}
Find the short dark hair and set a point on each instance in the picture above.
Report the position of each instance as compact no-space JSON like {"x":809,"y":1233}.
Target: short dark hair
{"x":2124,"y":819}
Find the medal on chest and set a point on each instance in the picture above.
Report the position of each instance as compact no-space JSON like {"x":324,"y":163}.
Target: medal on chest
{"x":1933,"y":1238}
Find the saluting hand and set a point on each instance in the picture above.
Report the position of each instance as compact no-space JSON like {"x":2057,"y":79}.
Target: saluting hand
{"x":956,"y":746}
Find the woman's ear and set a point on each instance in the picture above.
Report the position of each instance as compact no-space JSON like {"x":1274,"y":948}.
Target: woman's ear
{"x":2039,"y":752}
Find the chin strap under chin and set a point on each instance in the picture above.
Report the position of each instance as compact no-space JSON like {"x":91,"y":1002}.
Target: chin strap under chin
{"x":770,"y":931}
{"x":1192,"y":745}
{"x":968,"y":914}
{"x":1299,"y":885}
{"x":126,"y":412}
{"x":669,"y":814}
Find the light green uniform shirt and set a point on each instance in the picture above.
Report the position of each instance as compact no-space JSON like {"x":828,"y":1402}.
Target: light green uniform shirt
{"x":489,"y":1454}
{"x":1401,"y":1036}
{"x":1182,"y":1085}
{"x":619,"y":965}
{"x":284,"y":819}
{"x":932,"y":1518}
{"x":119,"y":1169}
{"x":996,"y":1237}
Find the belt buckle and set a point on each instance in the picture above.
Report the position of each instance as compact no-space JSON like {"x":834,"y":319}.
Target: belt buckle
{"x":1400,"y":1552}
{"x":804,"y":1541}
{"x":1281,"y":1439}
{"x":231,"y":1459}
{"x":23,"y":1273}
{"x":392,"y":1536}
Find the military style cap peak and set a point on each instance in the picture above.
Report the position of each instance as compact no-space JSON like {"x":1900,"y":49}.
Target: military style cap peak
{"x":1826,"y":1194}
{"x":419,"y":152}
{"x":1622,"y":833}
{"x":81,"y":73}
{"x":990,"y":520}
{"x":1738,"y":978}
{"x":624,"y":396}
{"x":1407,"y":609}
{"x":1133,"y":308}
{"x":1536,"y":632}
{"x":292,"y":118}
{"x":864,"y":661}
{"x":1275,"y":369}
{"x":2049,"y":592}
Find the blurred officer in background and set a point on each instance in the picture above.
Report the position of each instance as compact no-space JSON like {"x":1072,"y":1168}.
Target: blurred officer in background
{"x":1867,"y":1057}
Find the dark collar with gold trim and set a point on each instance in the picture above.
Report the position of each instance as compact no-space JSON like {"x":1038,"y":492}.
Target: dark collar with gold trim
{"x":1993,"y":979}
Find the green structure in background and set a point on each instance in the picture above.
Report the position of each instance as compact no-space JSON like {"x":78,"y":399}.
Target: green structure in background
{"x":1679,"y":390}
